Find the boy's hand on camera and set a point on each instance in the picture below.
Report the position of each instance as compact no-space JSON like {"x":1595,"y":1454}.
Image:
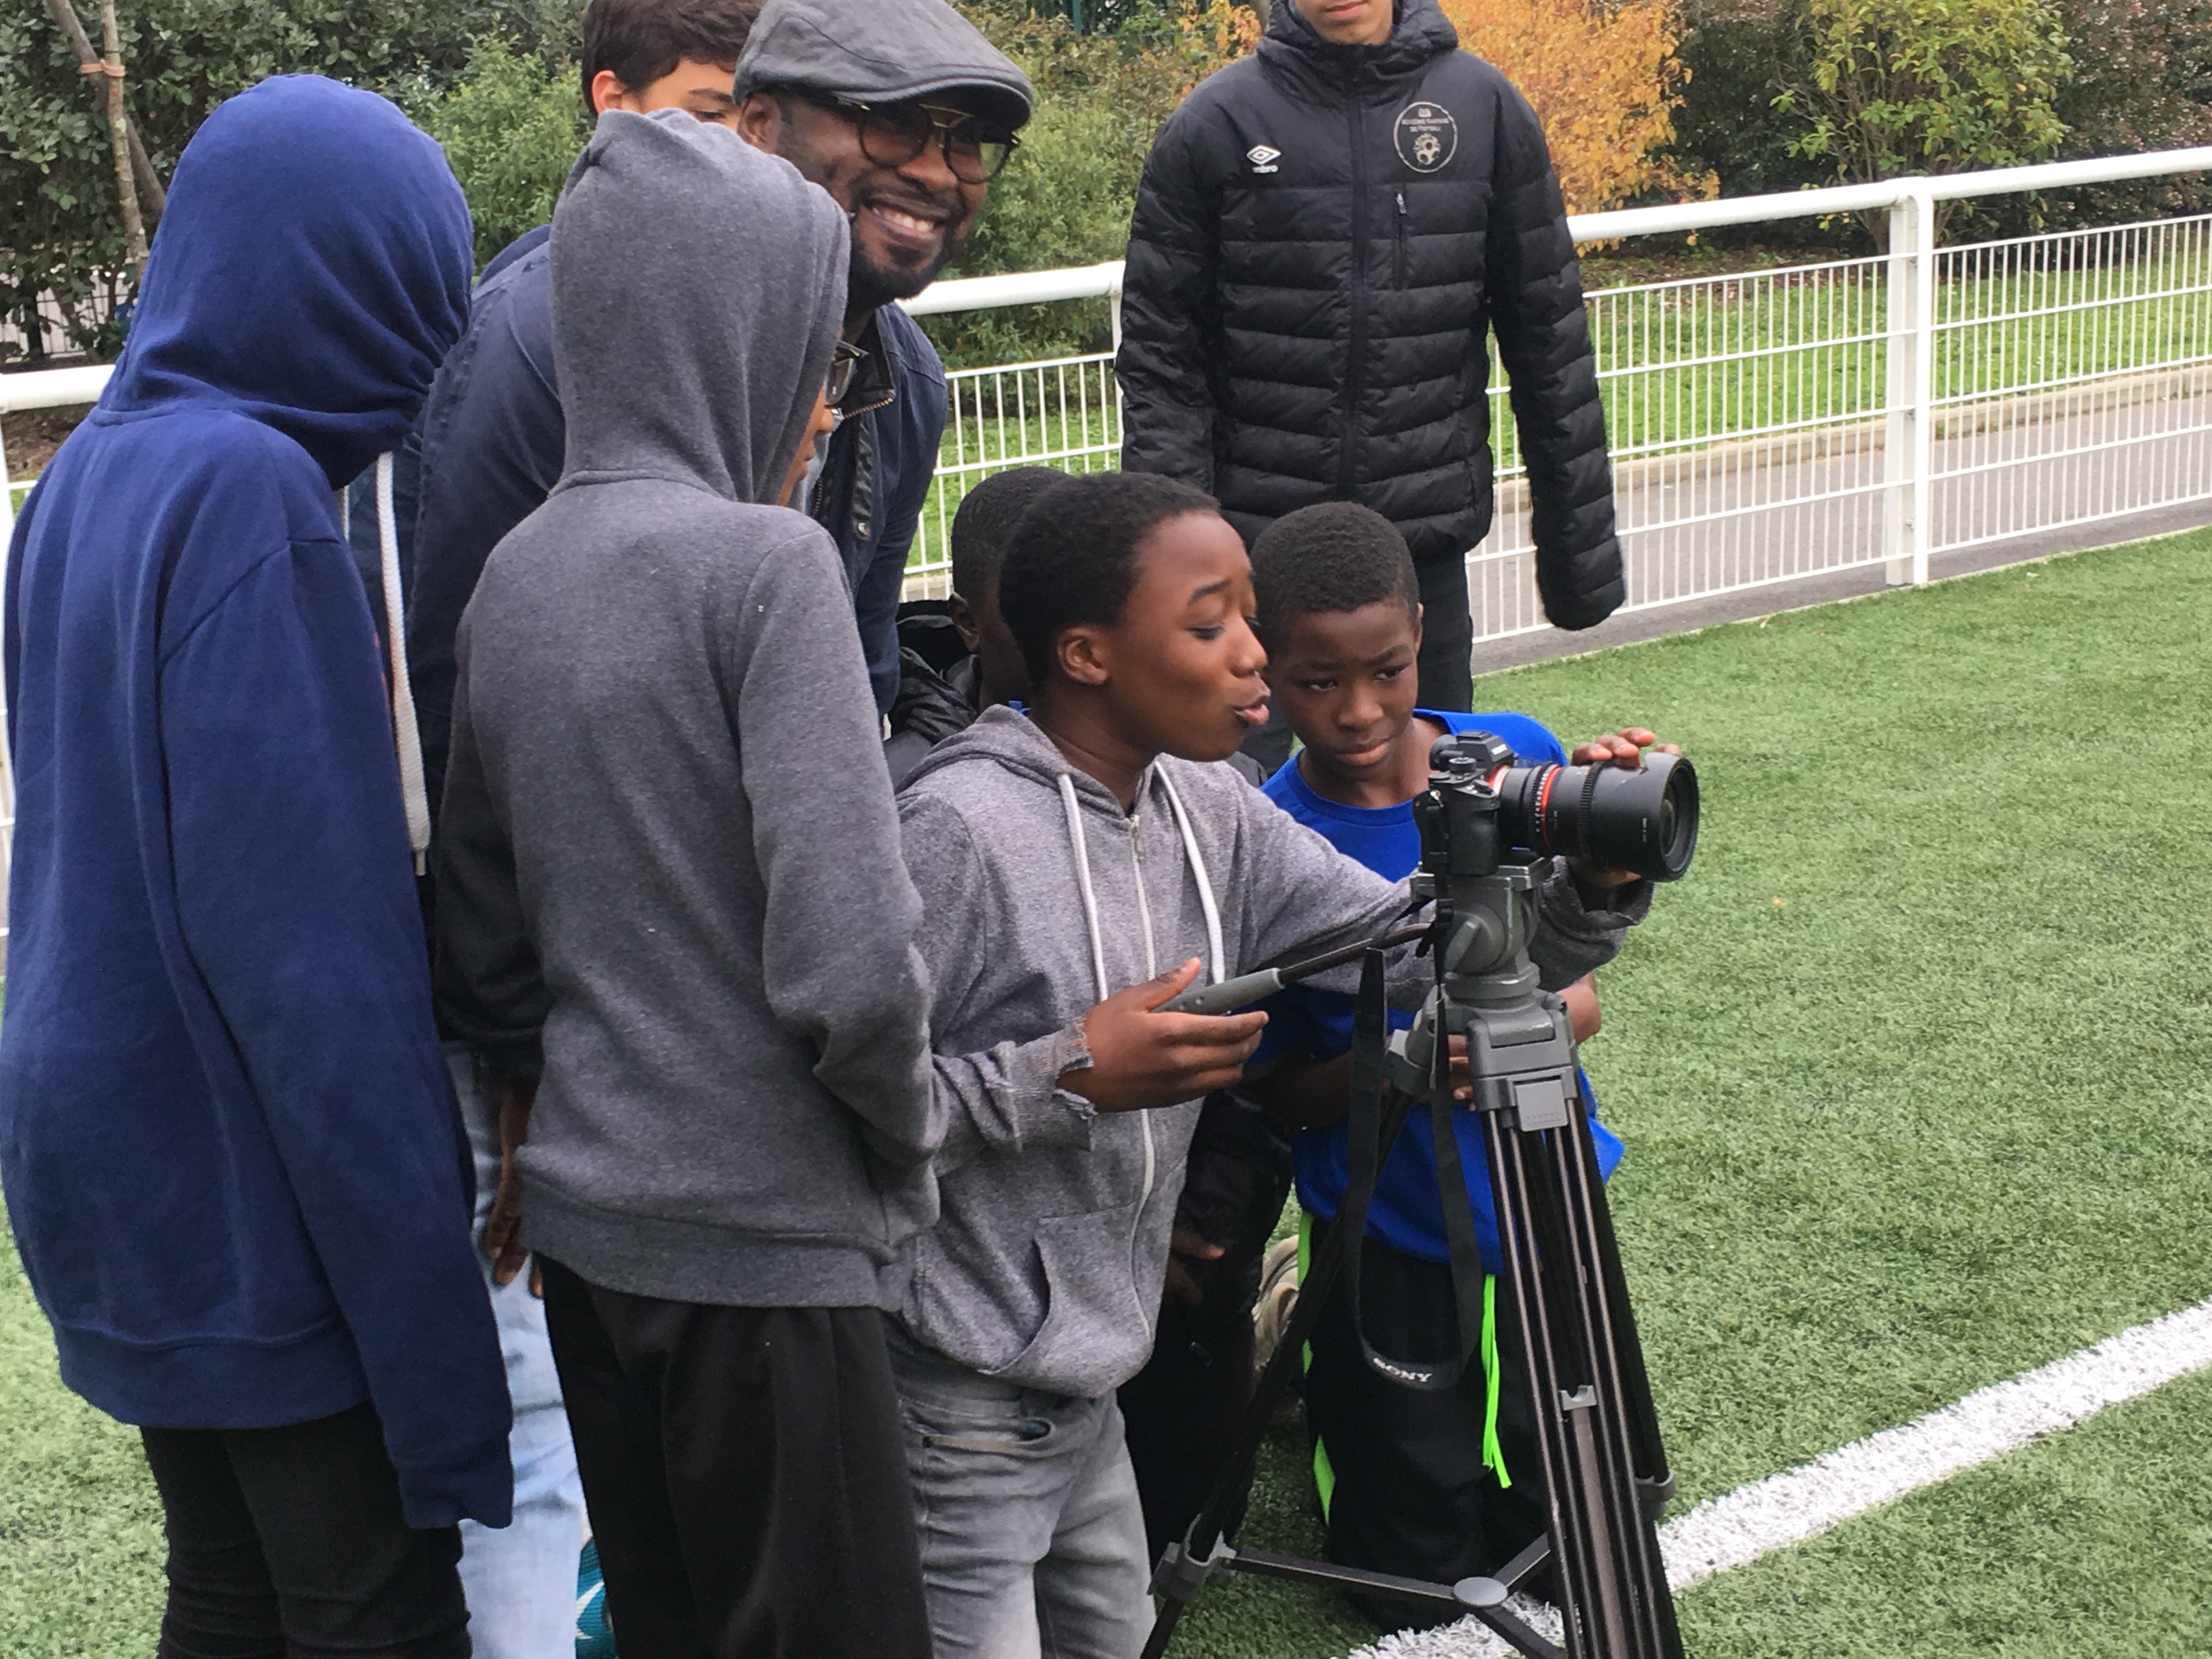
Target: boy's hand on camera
{"x":1622,"y":748}
{"x":1141,"y":1058}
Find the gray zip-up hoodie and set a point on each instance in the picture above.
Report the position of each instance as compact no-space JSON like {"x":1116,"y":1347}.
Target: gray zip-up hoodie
{"x":669,"y":861}
{"x":1046,"y":1263}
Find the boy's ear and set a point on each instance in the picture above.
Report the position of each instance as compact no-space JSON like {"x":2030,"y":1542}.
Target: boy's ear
{"x":608,"y":92}
{"x":963,"y":621}
{"x":1081,"y":655}
{"x":1419,"y":612}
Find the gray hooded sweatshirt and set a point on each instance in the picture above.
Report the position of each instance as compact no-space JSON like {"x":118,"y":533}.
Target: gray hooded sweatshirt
{"x":1046,"y":1263}
{"x":669,"y":859}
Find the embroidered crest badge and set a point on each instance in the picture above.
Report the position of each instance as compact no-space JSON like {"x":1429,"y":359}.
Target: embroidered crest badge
{"x":1427,"y":135}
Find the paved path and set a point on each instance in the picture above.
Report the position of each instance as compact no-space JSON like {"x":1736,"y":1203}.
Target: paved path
{"x":1816,"y":506}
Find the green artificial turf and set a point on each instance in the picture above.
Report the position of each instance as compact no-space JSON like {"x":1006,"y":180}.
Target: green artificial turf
{"x":2099,"y":1542}
{"x":1912,"y":1071}
{"x":80,"y":1530}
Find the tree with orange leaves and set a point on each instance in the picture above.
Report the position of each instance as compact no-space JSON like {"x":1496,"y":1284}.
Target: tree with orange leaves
{"x":1605,"y":83}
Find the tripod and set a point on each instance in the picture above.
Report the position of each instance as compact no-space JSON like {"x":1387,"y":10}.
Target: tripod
{"x":1606,"y":1479}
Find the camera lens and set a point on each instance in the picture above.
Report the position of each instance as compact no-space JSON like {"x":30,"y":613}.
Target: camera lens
{"x":1611,"y":817}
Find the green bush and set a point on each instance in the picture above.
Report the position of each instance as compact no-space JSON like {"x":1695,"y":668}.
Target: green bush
{"x":1886,"y":88}
{"x":2142,"y":80}
{"x":511,"y":127}
{"x":58,"y":226}
{"x":1738,"y":56}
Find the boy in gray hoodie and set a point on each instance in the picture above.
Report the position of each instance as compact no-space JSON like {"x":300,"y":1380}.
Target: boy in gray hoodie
{"x":1083,"y":861}
{"x":672,"y":914}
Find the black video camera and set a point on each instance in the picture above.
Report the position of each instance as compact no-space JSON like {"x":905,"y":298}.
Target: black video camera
{"x":1483,"y":808}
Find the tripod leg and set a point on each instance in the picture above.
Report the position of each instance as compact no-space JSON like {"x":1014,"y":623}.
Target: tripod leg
{"x":1640,"y":1452}
{"x":1554,"y":1229}
{"x":1652,"y":1472}
{"x":1534,"y":1319}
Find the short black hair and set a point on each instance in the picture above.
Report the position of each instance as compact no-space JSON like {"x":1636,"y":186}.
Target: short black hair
{"x":641,"y":40}
{"x":1073,"y":556}
{"x":1335,"y":555}
{"x":985,"y":524}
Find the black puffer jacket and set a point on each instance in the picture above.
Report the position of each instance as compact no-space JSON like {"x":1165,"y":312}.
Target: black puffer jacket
{"x":1322,"y":236}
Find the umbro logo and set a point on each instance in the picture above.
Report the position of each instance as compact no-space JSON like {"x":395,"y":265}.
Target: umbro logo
{"x":1263,"y":157}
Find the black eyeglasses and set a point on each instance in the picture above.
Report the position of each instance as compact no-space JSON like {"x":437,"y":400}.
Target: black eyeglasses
{"x":845,"y":361}
{"x":892,"y":134}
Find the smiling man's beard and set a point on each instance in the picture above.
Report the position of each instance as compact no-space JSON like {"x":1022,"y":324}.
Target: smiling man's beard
{"x":869,"y":284}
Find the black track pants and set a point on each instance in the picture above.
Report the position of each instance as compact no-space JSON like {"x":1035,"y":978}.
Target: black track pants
{"x":1412,"y":1495}
{"x":1447,"y":636}
{"x":745,"y":1475}
{"x":289,"y":1544}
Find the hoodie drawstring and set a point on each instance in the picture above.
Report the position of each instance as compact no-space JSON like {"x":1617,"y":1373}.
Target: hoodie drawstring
{"x":406,"y":737}
{"x":1198,"y":869}
{"x":1082,"y":848}
{"x":1083,"y":881}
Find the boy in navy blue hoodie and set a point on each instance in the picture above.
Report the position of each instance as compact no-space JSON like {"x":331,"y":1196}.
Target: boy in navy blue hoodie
{"x":1433,"y":1486}
{"x":230,"y":1148}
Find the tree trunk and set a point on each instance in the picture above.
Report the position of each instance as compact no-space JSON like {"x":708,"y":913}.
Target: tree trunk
{"x":118,"y":137}
{"x":150,"y":193}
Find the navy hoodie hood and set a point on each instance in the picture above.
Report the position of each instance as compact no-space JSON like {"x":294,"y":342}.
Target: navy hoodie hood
{"x":310,"y":272}
{"x":232,"y":1160}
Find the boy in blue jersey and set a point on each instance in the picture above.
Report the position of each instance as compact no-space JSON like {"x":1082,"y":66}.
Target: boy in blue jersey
{"x":1430,"y":1485}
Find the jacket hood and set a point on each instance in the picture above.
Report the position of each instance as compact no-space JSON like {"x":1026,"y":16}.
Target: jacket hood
{"x":698,"y":287}
{"x":1012,"y":739}
{"x":1421,"y":33}
{"x":1016,"y":743}
{"x":310,"y":271}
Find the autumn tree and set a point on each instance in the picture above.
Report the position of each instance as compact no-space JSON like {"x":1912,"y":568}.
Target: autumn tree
{"x":1604,"y":79}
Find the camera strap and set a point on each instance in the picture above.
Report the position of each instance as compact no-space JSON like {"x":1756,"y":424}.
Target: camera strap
{"x":1370,"y":1034}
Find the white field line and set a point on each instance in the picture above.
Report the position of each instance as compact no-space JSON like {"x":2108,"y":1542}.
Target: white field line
{"x":1807,"y":1501}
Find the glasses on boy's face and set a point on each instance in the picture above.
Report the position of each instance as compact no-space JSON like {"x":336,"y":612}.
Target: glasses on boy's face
{"x":845,"y":361}
{"x":892,"y":135}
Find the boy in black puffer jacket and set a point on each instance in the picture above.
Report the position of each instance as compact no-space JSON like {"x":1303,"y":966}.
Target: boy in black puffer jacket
{"x":1325,"y":234}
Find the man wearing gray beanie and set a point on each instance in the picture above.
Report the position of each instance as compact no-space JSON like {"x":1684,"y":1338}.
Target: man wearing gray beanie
{"x":674,"y":922}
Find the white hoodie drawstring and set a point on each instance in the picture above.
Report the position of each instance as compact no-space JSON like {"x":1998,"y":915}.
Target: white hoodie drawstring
{"x":1082,"y":848}
{"x":406,"y":737}
{"x":1197,"y":869}
{"x":1083,"y":881}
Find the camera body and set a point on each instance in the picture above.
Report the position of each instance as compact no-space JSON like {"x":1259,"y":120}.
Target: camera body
{"x":1483,"y":808}
{"x":1488,"y":826}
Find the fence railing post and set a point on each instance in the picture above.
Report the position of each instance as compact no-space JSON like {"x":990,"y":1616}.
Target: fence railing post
{"x":1908,"y":455}
{"x":7,"y":498}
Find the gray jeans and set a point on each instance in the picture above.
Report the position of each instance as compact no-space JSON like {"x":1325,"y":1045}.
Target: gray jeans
{"x":1032,"y":1538}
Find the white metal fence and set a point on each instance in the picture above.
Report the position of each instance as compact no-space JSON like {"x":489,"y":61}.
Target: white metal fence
{"x":1765,"y":426}
{"x":1789,"y":423}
